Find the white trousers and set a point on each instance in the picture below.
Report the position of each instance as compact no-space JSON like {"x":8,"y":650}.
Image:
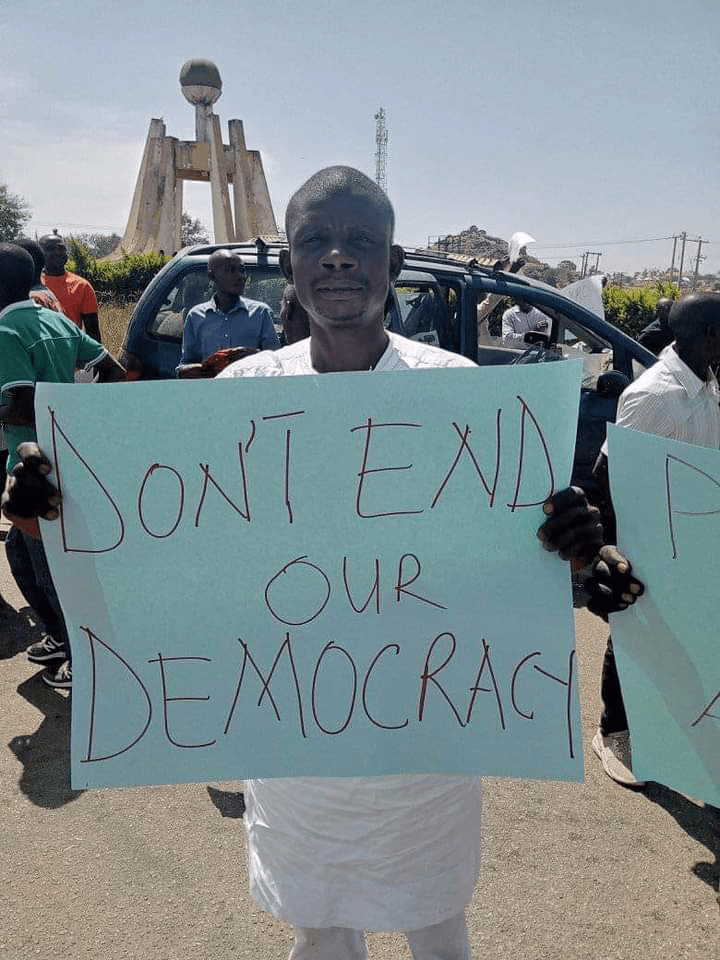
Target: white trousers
{"x":443,"y":941}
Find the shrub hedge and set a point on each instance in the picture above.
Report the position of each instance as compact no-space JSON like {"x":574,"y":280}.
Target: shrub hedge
{"x":118,"y":281}
{"x":633,"y":309}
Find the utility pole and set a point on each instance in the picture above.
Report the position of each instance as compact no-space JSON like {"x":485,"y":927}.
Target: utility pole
{"x":584,"y":271}
{"x":683,"y":237}
{"x":672,"y":262}
{"x":381,"y":139}
{"x":697,"y":262}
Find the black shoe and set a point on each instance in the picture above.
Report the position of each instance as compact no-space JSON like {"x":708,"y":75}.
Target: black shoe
{"x":61,"y":679}
{"x":46,"y":650}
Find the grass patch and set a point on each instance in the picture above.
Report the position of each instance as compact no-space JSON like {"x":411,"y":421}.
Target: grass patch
{"x":114,"y":318}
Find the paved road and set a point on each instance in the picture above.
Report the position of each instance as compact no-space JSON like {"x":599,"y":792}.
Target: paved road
{"x":570,"y":871}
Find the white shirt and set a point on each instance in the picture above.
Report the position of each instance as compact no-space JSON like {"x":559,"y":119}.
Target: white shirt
{"x":400,"y":354}
{"x":369,"y":853}
{"x":516,"y":323}
{"x":669,"y":400}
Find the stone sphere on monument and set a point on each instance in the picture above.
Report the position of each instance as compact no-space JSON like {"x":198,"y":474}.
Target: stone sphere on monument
{"x":200,"y":81}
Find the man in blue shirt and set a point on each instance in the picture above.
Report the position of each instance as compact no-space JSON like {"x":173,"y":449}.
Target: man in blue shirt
{"x":226,"y":327}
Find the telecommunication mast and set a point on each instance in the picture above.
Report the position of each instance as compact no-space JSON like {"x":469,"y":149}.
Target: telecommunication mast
{"x":381,"y":139}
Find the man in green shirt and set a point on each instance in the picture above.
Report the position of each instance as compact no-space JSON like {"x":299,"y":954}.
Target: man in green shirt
{"x":37,"y":344}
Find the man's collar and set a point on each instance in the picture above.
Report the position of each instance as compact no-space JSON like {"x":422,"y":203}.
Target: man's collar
{"x":688,"y":379}
{"x":238,"y":303}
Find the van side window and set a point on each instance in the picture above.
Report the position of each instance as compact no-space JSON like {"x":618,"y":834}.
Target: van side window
{"x":191,"y":288}
{"x":426,"y":313}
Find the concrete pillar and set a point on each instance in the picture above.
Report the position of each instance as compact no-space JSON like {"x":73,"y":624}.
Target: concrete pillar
{"x":137,"y":230}
{"x":245,"y":228}
{"x":222,"y":214}
{"x":177,"y":235}
{"x":264,"y":216}
{"x":203,"y":122}
{"x":163,"y":236}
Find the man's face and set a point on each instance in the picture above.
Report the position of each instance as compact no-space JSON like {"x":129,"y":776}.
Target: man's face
{"x":341,"y":261}
{"x":55,"y":256}
{"x":229,"y":275}
{"x":524,"y":306}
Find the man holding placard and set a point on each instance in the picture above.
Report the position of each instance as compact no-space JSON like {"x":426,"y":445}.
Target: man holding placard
{"x":339,"y":227}
{"x":336,"y":856}
{"x":676,"y":398}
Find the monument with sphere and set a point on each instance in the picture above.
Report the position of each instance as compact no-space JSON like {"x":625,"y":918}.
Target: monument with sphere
{"x":156,"y":211}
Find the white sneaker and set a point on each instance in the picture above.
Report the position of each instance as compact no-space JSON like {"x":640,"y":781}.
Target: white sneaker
{"x":616,"y":757}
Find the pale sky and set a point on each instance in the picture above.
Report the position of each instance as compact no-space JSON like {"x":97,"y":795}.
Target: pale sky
{"x":584,"y":126}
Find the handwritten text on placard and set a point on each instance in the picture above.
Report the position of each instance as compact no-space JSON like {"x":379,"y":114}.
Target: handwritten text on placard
{"x":334,"y":574}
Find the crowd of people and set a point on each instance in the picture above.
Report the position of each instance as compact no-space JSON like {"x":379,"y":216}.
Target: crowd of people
{"x":334,"y":856}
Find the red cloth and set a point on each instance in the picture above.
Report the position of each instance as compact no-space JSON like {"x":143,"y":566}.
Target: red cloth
{"x":45,"y":298}
{"x":75,"y":294}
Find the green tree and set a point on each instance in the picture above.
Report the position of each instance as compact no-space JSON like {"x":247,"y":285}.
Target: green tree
{"x":192,"y":231}
{"x":14,"y":214}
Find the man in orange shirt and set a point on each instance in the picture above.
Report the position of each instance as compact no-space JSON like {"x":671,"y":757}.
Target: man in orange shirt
{"x":76,"y":296}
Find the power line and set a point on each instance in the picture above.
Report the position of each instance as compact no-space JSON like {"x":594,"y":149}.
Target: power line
{"x":85,"y":226}
{"x":596,"y":243}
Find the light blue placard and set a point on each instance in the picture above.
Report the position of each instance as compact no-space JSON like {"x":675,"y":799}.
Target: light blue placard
{"x":217,"y":560}
{"x":667,"y":498}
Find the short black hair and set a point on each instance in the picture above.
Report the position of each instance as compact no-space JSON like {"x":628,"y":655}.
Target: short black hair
{"x":692,"y":315}
{"x":35,"y":251}
{"x":218,"y":255}
{"x":334,"y":180}
{"x":16,"y":273}
{"x":53,"y":237}
{"x":662,"y":310}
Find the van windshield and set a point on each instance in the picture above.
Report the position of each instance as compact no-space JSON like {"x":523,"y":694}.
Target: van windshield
{"x":193,"y":286}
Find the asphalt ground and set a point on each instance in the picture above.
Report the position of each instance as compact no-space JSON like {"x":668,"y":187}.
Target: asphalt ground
{"x":587,"y":870}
